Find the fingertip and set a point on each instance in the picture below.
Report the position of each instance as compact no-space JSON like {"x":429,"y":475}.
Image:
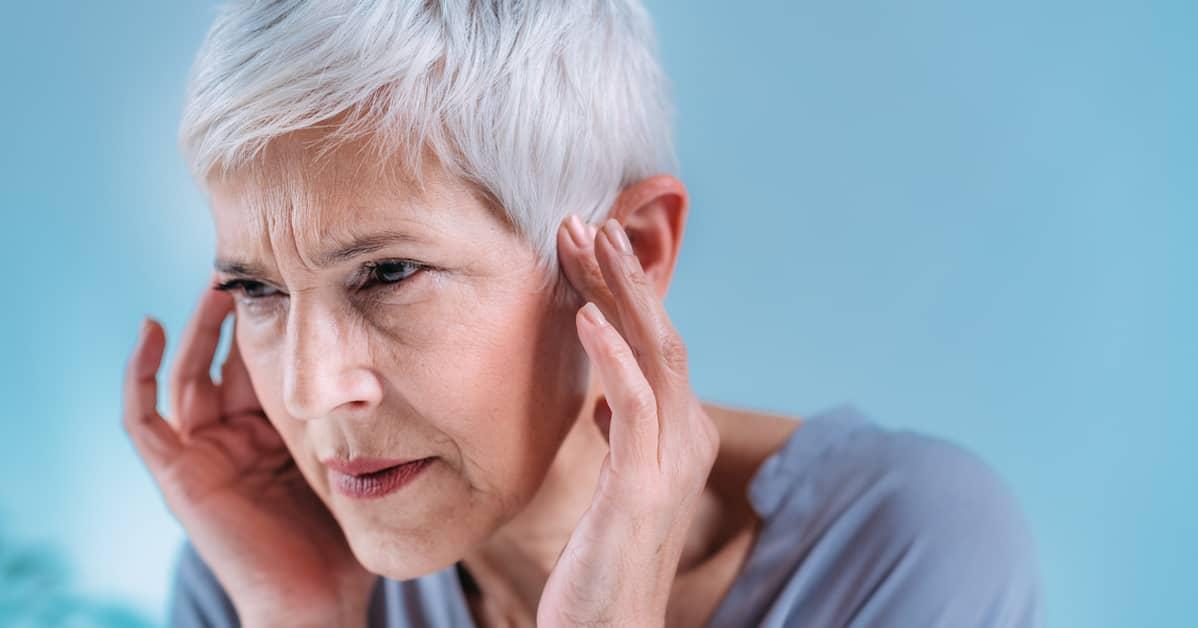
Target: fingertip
{"x":151,"y":345}
{"x":590,"y":321}
{"x":143,"y":332}
{"x":154,"y":329}
{"x":576,"y":230}
{"x":592,"y":314}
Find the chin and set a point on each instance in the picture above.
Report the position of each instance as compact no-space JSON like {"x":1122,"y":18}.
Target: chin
{"x":399,"y":559}
{"x":402,"y":550}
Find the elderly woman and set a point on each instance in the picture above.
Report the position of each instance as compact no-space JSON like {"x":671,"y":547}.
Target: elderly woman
{"x":453,"y":395}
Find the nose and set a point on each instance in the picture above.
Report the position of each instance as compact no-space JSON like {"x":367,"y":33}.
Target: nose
{"x":327,"y":366}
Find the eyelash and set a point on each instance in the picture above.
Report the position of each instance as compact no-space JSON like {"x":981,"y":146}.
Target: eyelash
{"x":368,"y":269}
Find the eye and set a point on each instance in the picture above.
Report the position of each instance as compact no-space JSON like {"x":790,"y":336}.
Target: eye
{"x":377,"y":274}
{"x":389,"y":272}
{"x":249,"y":289}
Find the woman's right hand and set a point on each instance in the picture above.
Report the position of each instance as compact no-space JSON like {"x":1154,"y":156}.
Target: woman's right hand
{"x":227,"y":476}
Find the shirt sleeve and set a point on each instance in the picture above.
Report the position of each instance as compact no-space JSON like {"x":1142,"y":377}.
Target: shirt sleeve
{"x":958,"y":551}
{"x":896,"y":529}
{"x":197,"y":599}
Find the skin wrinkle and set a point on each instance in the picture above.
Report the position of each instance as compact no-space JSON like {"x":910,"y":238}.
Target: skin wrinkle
{"x":474,"y":315}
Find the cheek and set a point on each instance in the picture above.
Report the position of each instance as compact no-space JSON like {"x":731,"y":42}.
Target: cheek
{"x":495,"y":382}
{"x":518,"y":377}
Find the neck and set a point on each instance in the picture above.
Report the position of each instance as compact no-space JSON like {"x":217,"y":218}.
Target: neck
{"x":513,"y":565}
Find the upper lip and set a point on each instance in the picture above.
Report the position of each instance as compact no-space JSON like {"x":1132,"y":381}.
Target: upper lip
{"x":362,"y":466}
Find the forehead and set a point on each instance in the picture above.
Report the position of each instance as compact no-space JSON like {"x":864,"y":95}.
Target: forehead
{"x":323,"y":201}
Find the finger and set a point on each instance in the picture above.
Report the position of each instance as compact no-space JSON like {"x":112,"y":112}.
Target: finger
{"x":633,"y":431}
{"x":576,"y":246}
{"x":262,"y":432}
{"x":236,"y":390}
{"x":156,"y":442}
{"x":646,"y":325}
{"x":194,"y":399}
{"x":244,"y":439}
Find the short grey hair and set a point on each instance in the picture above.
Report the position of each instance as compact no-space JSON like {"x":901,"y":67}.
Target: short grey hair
{"x":548,"y":107}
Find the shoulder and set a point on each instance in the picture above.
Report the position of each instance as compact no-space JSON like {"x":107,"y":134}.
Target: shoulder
{"x":926,"y":532}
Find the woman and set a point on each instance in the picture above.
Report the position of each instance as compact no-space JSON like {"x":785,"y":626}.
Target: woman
{"x":454,"y":397}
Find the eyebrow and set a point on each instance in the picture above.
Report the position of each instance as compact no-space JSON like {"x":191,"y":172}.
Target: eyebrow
{"x":361,"y":245}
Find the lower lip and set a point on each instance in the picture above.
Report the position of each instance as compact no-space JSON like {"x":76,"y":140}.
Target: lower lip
{"x":379,"y":483}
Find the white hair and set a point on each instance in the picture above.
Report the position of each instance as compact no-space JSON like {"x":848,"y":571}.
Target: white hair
{"x":547,"y":107}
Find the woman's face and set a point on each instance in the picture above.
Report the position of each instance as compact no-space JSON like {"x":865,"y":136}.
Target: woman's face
{"x":427,"y":336}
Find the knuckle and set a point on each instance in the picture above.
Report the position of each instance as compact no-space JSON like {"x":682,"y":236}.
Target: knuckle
{"x":640,"y":403}
{"x":640,"y":280}
{"x":674,"y":352}
{"x":593,"y":274}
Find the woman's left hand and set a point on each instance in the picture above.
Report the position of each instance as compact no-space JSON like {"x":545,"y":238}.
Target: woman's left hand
{"x":619,"y":564}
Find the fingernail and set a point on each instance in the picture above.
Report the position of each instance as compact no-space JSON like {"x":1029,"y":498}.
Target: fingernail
{"x":592,"y":314}
{"x":577,"y":232}
{"x":617,"y":236}
{"x":144,"y":329}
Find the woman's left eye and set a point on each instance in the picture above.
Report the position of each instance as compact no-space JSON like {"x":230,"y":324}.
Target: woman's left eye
{"x":390,"y":272}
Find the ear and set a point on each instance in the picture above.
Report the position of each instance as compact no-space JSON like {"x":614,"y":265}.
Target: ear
{"x":653,"y":212}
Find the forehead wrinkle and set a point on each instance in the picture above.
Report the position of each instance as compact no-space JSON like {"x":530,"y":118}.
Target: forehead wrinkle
{"x":291,"y":201}
{"x":295,"y":193}
{"x":306,"y":215}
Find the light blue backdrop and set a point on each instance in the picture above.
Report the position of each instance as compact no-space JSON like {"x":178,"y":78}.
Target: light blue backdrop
{"x":972,"y":219}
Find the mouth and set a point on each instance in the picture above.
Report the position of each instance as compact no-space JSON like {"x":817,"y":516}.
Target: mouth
{"x":371,"y":478}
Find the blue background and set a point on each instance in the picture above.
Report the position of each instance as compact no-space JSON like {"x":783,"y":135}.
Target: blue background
{"x":972,"y":219}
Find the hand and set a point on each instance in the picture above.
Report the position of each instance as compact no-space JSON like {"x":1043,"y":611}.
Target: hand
{"x":619,"y":563}
{"x":225,"y":473}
